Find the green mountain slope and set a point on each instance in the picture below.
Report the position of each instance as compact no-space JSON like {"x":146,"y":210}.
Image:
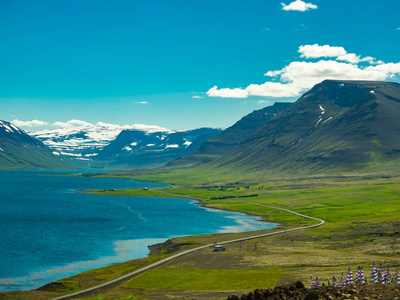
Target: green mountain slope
{"x":229,"y":139}
{"x":338,"y":125}
{"x":18,"y":150}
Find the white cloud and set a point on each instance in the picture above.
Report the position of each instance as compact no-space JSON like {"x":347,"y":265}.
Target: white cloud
{"x":317,"y":51}
{"x":369,"y":59}
{"x":142,"y":102}
{"x":299,"y":76}
{"x":300,"y":27}
{"x":197,"y":97}
{"x":273,"y":89}
{"x":73,"y":123}
{"x":227,"y":93}
{"x":263,"y":102}
{"x":78,"y":125}
{"x":266,"y":29}
{"x":349,"y":57}
{"x":298,"y":5}
{"x":33,"y":123}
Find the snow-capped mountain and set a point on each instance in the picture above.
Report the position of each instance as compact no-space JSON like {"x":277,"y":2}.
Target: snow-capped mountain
{"x":18,"y":150}
{"x":120,"y":146}
{"x":82,"y":140}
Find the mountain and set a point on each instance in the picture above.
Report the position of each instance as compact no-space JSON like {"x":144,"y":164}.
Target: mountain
{"x":140,"y":149}
{"x":79,"y":142}
{"x":229,"y":139}
{"x":337,"y":125}
{"x":103,"y":145}
{"x":18,"y":150}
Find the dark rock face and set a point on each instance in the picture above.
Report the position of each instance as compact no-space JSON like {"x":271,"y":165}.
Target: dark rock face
{"x":337,"y":124}
{"x":297,"y":291}
{"x":229,"y":139}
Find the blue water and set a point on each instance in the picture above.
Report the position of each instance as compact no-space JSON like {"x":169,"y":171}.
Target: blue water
{"x":49,"y":231}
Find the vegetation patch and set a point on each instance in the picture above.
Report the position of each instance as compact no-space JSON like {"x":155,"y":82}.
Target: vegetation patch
{"x":204,"y":279}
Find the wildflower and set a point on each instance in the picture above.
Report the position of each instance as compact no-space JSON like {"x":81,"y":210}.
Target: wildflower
{"x":397,"y":278}
{"x":349,"y":277}
{"x":334,"y":281}
{"x":374,"y":274}
{"x":380,"y":274}
{"x":314,"y":282}
{"x":360,"y":279}
{"x":386,"y":276}
{"x":342,"y":281}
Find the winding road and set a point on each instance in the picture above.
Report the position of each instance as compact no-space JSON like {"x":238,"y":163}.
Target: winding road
{"x":125,"y":277}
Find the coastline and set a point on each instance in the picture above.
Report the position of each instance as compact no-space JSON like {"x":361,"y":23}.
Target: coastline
{"x":118,"y":280}
{"x":151,"y":244}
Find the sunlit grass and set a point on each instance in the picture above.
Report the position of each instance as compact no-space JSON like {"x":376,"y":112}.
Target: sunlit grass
{"x":204,"y":279}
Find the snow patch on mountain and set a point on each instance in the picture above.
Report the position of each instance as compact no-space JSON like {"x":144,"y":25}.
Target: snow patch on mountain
{"x":172,"y":146}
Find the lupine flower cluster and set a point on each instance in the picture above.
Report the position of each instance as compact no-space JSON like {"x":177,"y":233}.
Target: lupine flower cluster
{"x":378,"y":276}
{"x":360,"y":278}
{"x":314,"y":282}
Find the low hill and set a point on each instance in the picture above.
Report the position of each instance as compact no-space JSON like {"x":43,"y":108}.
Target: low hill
{"x":337,"y":125}
{"x":18,"y":150}
{"x":229,"y":139}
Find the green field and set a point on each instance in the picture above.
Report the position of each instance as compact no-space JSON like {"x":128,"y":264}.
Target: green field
{"x":204,"y":279}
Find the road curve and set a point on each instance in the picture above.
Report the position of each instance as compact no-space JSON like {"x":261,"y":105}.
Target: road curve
{"x":110,"y":283}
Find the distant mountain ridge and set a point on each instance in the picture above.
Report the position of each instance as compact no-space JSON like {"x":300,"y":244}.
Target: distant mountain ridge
{"x":81,"y":140}
{"x":342,"y":125}
{"x":139,"y":149}
{"x":18,"y":150}
{"x":229,"y":139}
{"x":103,"y":145}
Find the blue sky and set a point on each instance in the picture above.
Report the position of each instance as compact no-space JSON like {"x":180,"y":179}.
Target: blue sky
{"x":184,"y":64}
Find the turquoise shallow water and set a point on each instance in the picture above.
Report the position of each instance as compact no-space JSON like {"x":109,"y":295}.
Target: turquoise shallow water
{"x":48,"y":231}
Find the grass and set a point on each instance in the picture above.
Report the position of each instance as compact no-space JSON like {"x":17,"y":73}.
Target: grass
{"x":204,"y":279}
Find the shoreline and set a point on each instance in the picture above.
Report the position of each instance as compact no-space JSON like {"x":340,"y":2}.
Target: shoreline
{"x":104,"y":286}
{"x":150,"y":249}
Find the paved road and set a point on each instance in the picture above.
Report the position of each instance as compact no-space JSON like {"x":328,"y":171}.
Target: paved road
{"x":125,"y":277}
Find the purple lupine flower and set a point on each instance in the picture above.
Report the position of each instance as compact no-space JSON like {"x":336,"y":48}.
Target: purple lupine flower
{"x":380,"y":273}
{"x":313,"y":283}
{"x":360,"y":279}
{"x":342,"y":281}
{"x":386,"y":276}
{"x":349,"y":277}
{"x":317,"y":281}
{"x":334,"y":281}
{"x":397,"y":278}
{"x":374,"y":274}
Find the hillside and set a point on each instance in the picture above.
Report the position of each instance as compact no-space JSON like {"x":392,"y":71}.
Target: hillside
{"x":18,"y":150}
{"x":230,"y":138}
{"x":337,"y":125}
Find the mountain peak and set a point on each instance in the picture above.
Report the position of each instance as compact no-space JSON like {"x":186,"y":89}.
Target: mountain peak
{"x":337,"y":124}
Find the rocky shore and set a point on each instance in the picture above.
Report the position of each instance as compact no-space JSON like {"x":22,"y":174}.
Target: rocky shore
{"x":297,"y":291}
